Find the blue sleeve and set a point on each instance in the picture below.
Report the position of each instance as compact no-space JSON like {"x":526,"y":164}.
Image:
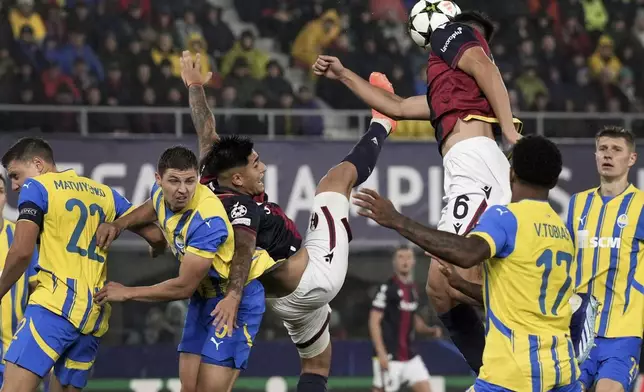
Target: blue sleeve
{"x":639,"y":230}
{"x":206,"y":235}
{"x":34,"y":194}
{"x":31,"y":271}
{"x":121,"y":204}
{"x":155,"y":187}
{"x":498,"y":226}
{"x":571,"y":218}
{"x":451,"y":41}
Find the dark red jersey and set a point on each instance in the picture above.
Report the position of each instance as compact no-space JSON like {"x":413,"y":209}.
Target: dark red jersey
{"x":451,"y":93}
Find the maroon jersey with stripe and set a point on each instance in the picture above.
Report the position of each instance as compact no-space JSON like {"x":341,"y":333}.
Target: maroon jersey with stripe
{"x":398,"y":301}
{"x":451,"y":93}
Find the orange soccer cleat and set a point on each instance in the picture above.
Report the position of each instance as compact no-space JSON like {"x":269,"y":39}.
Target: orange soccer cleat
{"x":380,"y":80}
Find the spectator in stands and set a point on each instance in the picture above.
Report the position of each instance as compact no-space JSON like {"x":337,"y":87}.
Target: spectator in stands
{"x":62,"y":121}
{"x":23,"y":121}
{"x":364,"y":26}
{"x":55,"y":23}
{"x":315,"y":38}
{"x":550,"y":56}
{"x":79,"y":19}
{"x":575,"y":38}
{"x":29,"y":51}
{"x":164,"y":24}
{"x":218,"y":36}
{"x":166,"y":81}
{"x":530,"y":85}
{"x":228,"y":123}
{"x":557,"y":89}
{"x":135,"y":55}
{"x":604,"y":61}
{"x":115,"y":87}
{"x":7,"y":70}
{"x":110,"y":52}
{"x":245,"y":48}
{"x":274,"y":84}
{"x":241,"y":79}
{"x":187,"y":28}
{"x":142,"y":81}
{"x":53,"y":78}
{"x":333,"y":93}
{"x":24,"y":15}
{"x":144,"y":5}
{"x":280,"y":20}
{"x":151,"y":123}
{"x":638,"y":28}
{"x":135,"y":22}
{"x":310,"y":125}
{"x":595,"y":16}
{"x":165,"y":51}
{"x":77,"y":48}
{"x":402,"y":81}
{"x":287,"y":124}
{"x":371,"y":59}
{"x":420,"y":81}
{"x":383,"y":9}
{"x":527,"y":56}
{"x":256,"y":124}
{"x":586,"y":90}
{"x":83,"y":79}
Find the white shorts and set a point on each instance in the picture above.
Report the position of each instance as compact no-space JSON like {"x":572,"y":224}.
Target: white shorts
{"x":399,"y":373}
{"x":306,"y":312}
{"x":477,"y":175}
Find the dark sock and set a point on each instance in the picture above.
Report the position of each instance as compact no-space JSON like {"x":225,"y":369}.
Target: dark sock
{"x":467,"y":332}
{"x":310,"y":382}
{"x":364,"y":154}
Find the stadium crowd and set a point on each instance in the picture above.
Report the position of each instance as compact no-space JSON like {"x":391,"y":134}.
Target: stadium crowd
{"x":555,"y":55}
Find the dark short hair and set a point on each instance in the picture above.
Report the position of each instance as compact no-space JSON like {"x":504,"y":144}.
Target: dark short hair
{"x":230,"y":151}
{"x":402,"y":247}
{"x":28,"y":148}
{"x":178,"y":158}
{"x":617,"y":132}
{"x":537,"y":161}
{"x":480,"y":19}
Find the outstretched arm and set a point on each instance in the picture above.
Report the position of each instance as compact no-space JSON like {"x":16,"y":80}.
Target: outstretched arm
{"x":398,"y":108}
{"x":202,"y":117}
{"x":461,"y":251}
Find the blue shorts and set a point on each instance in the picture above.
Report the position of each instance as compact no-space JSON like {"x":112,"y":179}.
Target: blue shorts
{"x":484,"y":386}
{"x":199,"y":335}
{"x":615,"y":359}
{"x":45,"y":340}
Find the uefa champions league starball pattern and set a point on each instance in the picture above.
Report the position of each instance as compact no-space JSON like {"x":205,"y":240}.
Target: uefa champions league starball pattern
{"x":428,"y":15}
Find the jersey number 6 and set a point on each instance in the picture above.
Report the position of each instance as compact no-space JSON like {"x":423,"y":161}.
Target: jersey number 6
{"x":72,"y":246}
{"x":546,"y":261}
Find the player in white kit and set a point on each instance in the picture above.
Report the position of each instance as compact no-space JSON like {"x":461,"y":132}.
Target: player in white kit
{"x":467,"y":103}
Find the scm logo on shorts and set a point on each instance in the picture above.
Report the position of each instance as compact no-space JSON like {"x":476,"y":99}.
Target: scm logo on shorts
{"x":585,"y":241}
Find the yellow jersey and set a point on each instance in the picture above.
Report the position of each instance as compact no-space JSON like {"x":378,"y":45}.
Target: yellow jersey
{"x":202,"y":228}
{"x":71,"y":268}
{"x":527,"y":285}
{"x":608,"y":234}
{"x":12,"y":308}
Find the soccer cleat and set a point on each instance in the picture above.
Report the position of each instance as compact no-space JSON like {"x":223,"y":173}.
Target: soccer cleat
{"x":380,"y":80}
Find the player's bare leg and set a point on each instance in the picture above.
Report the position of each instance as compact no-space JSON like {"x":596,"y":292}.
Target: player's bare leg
{"x":189,"y":371}
{"x":422,"y":386}
{"x":608,"y":385}
{"x":213,"y":378}
{"x":17,"y":379}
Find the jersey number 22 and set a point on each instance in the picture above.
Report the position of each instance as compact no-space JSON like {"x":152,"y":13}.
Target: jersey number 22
{"x":72,"y":245}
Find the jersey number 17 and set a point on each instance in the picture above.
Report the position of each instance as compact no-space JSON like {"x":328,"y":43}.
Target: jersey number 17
{"x":548,"y":262}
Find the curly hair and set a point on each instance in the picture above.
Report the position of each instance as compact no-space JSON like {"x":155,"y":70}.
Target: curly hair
{"x":537,"y":161}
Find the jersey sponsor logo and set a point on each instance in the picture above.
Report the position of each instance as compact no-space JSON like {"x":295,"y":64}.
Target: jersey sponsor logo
{"x":408,"y":306}
{"x":585,"y":241}
{"x":451,"y":38}
{"x":238,"y":211}
{"x":29,"y":211}
{"x":241,"y":221}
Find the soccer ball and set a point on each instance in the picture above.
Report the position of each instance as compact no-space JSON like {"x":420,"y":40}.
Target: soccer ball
{"x":427,"y":15}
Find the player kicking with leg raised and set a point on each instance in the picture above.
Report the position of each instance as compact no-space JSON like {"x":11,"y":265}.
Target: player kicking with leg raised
{"x":62,"y":327}
{"x":465,"y":98}
{"x":200,"y":236}
{"x":607,"y":224}
{"x":310,"y":278}
{"x":527,"y":257}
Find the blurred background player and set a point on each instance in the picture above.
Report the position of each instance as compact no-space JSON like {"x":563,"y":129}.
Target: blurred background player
{"x":12,"y":309}
{"x":607,"y":224}
{"x":60,"y":211}
{"x":393,"y":324}
{"x":525,"y":249}
{"x":465,"y":98}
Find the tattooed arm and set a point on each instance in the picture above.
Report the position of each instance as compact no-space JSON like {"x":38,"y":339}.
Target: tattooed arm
{"x":202,"y":118}
{"x":242,"y":259}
